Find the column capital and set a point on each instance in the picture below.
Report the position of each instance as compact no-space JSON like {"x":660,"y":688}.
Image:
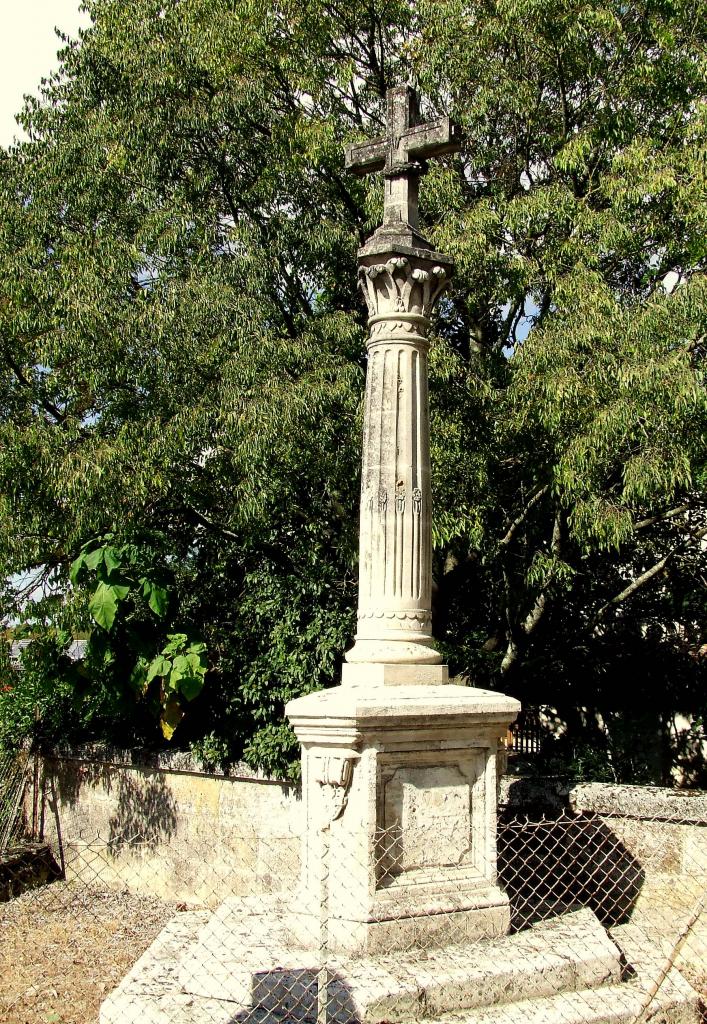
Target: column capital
{"x":400,"y":293}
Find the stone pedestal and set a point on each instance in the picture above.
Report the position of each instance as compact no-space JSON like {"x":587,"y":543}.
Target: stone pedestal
{"x":399,"y":791}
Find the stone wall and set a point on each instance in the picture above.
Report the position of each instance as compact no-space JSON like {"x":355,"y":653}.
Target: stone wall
{"x":169,"y":828}
{"x":664,"y":829}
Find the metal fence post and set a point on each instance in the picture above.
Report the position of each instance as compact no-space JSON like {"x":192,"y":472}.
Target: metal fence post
{"x":323,"y":976}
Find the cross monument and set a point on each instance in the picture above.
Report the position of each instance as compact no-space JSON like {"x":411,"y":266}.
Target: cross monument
{"x":401,"y":154}
{"x":399,"y":764}
{"x":401,"y":277}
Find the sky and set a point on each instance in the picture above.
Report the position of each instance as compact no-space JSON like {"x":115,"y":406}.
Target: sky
{"x":28,"y":48}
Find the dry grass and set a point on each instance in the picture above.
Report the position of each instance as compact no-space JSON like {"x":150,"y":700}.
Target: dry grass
{"x":63,"y":948}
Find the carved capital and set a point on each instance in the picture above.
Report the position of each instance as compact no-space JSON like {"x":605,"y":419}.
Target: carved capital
{"x":400,"y":294}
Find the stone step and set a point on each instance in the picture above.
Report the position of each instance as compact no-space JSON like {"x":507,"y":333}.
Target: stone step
{"x":249,"y":959}
{"x":676,"y":1003}
{"x":153,"y":991}
{"x":150,"y":991}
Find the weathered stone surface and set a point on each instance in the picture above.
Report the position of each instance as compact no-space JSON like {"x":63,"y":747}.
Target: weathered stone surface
{"x":177,"y":834}
{"x":400,"y":154}
{"x":395,"y":540}
{"x":401,"y":277}
{"x":404,"y":782}
{"x":447,"y":707}
{"x":560,"y":972}
{"x":382,"y":674}
{"x":665,"y":829}
{"x":662,"y":910}
{"x":150,"y":992}
{"x":640,"y":802}
{"x":399,"y":788}
{"x":677,"y":1003}
{"x":249,"y":959}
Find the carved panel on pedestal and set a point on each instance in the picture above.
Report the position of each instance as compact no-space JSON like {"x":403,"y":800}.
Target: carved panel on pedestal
{"x":431,"y":815}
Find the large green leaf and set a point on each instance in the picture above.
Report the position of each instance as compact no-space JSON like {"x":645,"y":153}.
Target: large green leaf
{"x":103,"y":605}
{"x":158,"y":600}
{"x":110,"y":559}
{"x":94,"y":558}
{"x":191,"y":686}
{"x":76,"y":566}
{"x":159,"y":666}
{"x":119,"y":585}
{"x":196,"y":663}
{"x":176,"y":642}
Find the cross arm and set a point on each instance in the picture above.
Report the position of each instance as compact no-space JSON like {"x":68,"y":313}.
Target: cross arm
{"x":366,"y":157}
{"x":435,"y":138}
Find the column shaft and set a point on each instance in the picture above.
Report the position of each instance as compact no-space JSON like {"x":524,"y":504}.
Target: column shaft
{"x":395,"y":568}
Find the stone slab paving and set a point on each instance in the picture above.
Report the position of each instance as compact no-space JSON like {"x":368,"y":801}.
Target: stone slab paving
{"x":663,"y":906}
{"x":150,"y":992}
{"x":676,"y":1003}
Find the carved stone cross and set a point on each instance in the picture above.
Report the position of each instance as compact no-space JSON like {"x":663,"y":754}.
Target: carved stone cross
{"x":401,"y":154}
{"x":401,"y":277}
{"x":399,"y":764}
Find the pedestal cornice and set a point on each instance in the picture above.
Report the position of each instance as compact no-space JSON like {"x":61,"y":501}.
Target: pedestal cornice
{"x":351,"y":710}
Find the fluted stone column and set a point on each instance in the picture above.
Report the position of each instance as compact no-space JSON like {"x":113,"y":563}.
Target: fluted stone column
{"x":395,"y":566}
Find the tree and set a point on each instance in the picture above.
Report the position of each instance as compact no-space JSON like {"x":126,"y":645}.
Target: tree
{"x":183,"y":349}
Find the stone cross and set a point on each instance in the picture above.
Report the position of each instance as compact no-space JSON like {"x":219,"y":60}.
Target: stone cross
{"x":401,"y":278}
{"x":399,"y":764}
{"x":401,"y":153}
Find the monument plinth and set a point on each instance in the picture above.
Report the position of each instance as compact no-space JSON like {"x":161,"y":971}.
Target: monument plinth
{"x":399,"y":766}
{"x":399,"y":793}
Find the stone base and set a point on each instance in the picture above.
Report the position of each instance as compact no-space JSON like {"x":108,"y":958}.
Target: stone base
{"x":240,"y":963}
{"x":399,"y":794}
{"x":394,"y":924}
{"x":252,"y":959}
{"x":382,"y":674}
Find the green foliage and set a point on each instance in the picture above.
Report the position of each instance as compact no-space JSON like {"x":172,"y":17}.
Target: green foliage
{"x":130,"y":582}
{"x":182,"y":355}
{"x":38,"y":701}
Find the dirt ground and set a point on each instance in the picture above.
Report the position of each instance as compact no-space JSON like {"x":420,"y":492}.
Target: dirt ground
{"x":62,"y":949}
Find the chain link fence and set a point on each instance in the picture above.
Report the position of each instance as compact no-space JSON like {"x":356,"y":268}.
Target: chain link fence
{"x":603,"y":916}
{"x":13,"y":776}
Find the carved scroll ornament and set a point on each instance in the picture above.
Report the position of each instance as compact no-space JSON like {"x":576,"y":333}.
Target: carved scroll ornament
{"x":334,"y":775}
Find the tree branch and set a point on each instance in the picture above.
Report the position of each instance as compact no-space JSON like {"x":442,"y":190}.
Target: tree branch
{"x":539,"y":608}
{"x":48,"y":406}
{"x":670,"y":514}
{"x":209,"y":524}
{"x":648,"y":575}
{"x":510,"y":533}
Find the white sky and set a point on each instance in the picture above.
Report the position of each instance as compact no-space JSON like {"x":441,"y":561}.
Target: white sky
{"x":28,"y":48}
